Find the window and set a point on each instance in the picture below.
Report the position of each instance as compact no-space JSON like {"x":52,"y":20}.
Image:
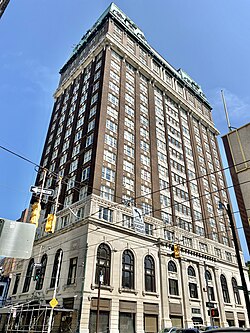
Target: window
{"x":149,"y":271}
{"x":85,"y":173}
{"x":193,"y":291}
{"x":91,"y":125}
{"x":108,"y":174}
{"x":107,"y":192}
{"x":148,"y":229}
{"x":113,"y":99}
{"x":18,"y":276}
{"x":172,"y":266}
{"x":128,"y":221}
{"x":173,"y":287}
{"x":28,"y":277}
{"x":109,"y":140}
{"x":211,"y":296}
{"x":208,"y":276}
{"x":127,"y":166}
{"x":55,"y":268}
{"x":109,"y":156}
{"x":89,"y":140}
{"x":103,"y":262}
{"x":129,"y":151}
{"x":236,"y":291}
{"x":128,"y":269}
{"x":191,"y":271}
{"x":72,"y":271}
{"x":111,"y":126}
{"x":87,"y":156}
{"x":39,"y":282}
{"x":224,"y":288}
{"x":73,"y":166}
{"x":106,"y":214}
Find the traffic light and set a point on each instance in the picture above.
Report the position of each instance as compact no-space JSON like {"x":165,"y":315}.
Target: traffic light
{"x":176,"y":253}
{"x":37,"y":273}
{"x":35,"y":213}
{"x":50,"y":224}
{"x":214,"y":312}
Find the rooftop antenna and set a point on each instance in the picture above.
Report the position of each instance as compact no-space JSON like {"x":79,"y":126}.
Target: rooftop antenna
{"x":226,"y":112}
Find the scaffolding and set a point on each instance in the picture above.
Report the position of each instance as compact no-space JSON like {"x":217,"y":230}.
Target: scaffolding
{"x":34,"y":318}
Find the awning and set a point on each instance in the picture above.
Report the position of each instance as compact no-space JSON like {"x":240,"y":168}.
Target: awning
{"x":197,"y":320}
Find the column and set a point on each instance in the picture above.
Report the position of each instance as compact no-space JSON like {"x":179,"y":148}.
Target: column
{"x":187,"y":319}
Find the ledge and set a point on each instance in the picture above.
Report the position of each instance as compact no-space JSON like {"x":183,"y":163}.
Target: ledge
{"x":130,"y":291}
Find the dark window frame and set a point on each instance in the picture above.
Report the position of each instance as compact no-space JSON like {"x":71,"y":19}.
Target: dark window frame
{"x":149,"y":272}
{"x":236,"y":291}
{"x":55,"y":267}
{"x":72,"y":271}
{"x":191,"y":271}
{"x":39,"y":282}
{"x":128,"y":268}
{"x":224,"y":289}
{"x":172,"y":266}
{"x":28,"y":276}
{"x":173,"y":287}
{"x":103,"y":263}
{"x":193,"y":290}
{"x":16,"y":284}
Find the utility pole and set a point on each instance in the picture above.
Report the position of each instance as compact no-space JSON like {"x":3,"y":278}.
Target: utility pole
{"x":237,"y":250}
{"x":98,"y":300}
{"x":54,"y":294}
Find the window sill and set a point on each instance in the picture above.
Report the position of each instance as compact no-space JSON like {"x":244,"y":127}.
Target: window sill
{"x":174,"y":296}
{"x":126,"y":290}
{"x":69,"y":286}
{"x":103,"y":287}
{"x":149,"y":293}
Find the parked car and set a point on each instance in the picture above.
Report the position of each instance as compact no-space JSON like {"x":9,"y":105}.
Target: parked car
{"x":187,"y":330}
{"x":169,"y":330}
{"x":230,"y":329}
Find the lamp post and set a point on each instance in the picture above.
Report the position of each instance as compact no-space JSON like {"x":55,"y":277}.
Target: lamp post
{"x":237,"y":250}
{"x":98,"y":300}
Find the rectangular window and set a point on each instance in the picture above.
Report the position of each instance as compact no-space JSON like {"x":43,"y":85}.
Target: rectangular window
{"x":111,"y":126}
{"x":87,"y":156}
{"x":109,"y":140}
{"x":91,"y":125}
{"x":129,"y":151}
{"x":129,"y":136}
{"x":72,"y":271}
{"x":113,"y":99}
{"x":107,"y":193}
{"x":127,"y":221}
{"x":173,"y":287}
{"x":148,"y":229}
{"x":89,"y":140}
{"x":193,"y":291}
{"x":109,"y":157}
{"x":105,"y":214}
{"x":108,"y":174}
{"x":128,"y":166}
{"x":85,"y":173}
{"x":112,"y":112}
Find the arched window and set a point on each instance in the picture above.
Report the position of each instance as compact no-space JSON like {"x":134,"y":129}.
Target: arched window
{"x":39,"y":282}
{"x":28,"y":277}
{"x":128,"y":270}
{"x":103,"y":264}
{"x":55,"y":267}
{"x":191,"y":271}
{"x":236,"y":291}
{"x":149,"y":268}
{"x":224,"y":288}
{"x":208,"y":276}
{"x":172,"y":266}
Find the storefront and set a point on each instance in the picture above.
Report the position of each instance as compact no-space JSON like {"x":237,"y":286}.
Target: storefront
{"x":151,"y":314}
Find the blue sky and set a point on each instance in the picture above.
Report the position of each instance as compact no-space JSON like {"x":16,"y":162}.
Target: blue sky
{"x":209,"y":39}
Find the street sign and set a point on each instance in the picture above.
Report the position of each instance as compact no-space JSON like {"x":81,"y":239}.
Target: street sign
{"x":16,"y":239}
{"x":39,"y":190}
{"x":53,"y":302}
{"x":210,"y":305}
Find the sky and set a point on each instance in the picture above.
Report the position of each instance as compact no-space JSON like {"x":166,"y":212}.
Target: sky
{"x":208,"y":39}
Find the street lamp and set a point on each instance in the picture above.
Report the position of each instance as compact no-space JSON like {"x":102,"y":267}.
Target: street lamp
{"x":237,"y":250}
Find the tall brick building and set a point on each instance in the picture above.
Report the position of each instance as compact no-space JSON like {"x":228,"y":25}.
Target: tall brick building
{"x":129,"y":134}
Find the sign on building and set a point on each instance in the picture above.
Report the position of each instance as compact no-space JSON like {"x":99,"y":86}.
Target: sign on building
{"x":139,"y":224}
